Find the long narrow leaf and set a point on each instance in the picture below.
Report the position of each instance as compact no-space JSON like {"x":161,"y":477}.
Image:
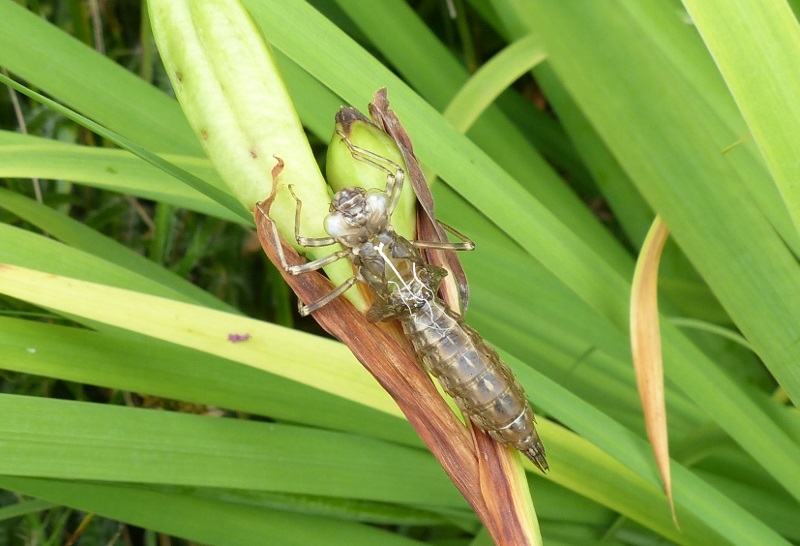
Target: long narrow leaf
{"x":646,"y":349}
{"x":327,"y":366}
{"x":198,"y":184}
{"x":203,"y":520}
{"x":756,"y":45}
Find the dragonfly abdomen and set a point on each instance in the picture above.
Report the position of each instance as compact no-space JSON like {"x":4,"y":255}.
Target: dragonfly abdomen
{"x":472,"y":373}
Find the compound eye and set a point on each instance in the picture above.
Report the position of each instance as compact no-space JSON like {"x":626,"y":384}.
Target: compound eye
{"x":377,"y":205}
{"x":336,"y":225}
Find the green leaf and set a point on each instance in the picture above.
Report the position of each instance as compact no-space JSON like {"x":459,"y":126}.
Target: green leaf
{"x":47,"y":58}
{"x":81,"y":237}
{"x":145,"y":365}
{"x":114,"y":170}
{"x":81,"y":441}
{"x":323,"y":364}
{"x":207,"y":521}
{"x":756,"y":46}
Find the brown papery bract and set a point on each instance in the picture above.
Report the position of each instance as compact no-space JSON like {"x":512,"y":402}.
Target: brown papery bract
{"x":454,"y":289}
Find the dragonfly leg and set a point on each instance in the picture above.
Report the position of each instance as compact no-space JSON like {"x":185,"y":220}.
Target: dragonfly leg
{"x":307,"y":267}
{"x":314,"y":265}
{"x":306,"y":241}
{"x":306,"y":310}
{"x":302,"y":268}
{"x":395,"y":175}
{"x":465,"y":244}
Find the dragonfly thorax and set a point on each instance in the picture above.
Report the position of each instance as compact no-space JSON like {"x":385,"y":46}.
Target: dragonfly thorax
{"x":356,"y":215}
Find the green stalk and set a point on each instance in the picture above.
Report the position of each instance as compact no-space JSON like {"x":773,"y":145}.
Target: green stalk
{"x":226,"y":80}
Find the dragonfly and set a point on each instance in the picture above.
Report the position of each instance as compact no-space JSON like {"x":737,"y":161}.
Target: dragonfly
{"x":406,"y":288}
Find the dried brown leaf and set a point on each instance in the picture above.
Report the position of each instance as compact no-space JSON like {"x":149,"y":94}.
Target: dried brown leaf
{"x":646,"y":349}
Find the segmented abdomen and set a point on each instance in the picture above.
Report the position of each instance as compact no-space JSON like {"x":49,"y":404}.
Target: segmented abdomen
{"x":471,"y":372}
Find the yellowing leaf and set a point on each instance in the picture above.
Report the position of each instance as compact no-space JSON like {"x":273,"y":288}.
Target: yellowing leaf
{"x":646,"y":348}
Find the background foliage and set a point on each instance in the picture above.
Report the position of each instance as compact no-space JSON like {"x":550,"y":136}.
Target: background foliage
{"x":125,"y":283}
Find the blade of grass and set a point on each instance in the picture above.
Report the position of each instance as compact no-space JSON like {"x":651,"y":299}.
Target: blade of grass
{"x":622,"y":462}
{"x":47,"y":58}
{"x":492,"y":79}
{"x":203,"y":520}
{"x":691,"y":174}
{"x":60,"y":439}
{"x":756,"y":46}
{"x":184,"y":176}
{"x":28,"y":249}
{"x":114,"y":170}
{"x":206,"y":330}
{"x":81,"y":237}
{"x":23,"y":508}
{"x":122,"y":361}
